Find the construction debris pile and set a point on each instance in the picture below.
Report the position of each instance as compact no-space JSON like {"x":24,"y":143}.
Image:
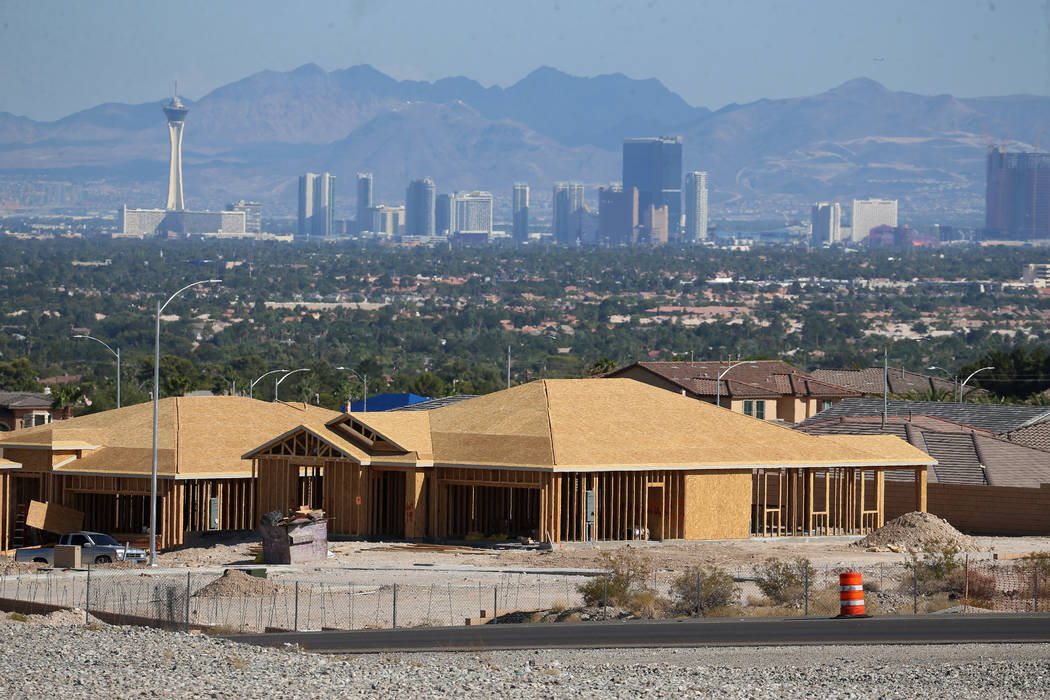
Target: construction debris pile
{"x":301,"y":515}
{"x":911,"y":531}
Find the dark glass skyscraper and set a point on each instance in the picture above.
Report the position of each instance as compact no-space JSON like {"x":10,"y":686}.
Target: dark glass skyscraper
{"x":520,"y":212}
{"x":1017,"y":195}
{"x":420,"y":214}
{"x":654,"y":166}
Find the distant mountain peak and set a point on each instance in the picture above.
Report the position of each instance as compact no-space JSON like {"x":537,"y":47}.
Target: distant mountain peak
{"x":861,"y":85}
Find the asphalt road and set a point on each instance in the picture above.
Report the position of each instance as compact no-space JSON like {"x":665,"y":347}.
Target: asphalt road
{"x":895,"y":629}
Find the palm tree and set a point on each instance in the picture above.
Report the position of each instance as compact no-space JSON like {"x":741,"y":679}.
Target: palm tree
{"x":64,"y":397}
{"x":601,"y":366}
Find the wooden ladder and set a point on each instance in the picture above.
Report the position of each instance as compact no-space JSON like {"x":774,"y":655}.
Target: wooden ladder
{"x":18,"y":537}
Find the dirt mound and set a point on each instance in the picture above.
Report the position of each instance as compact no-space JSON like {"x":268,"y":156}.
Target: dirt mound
{"x":913,"y":530}
{"x":237,"y":584}
{"x":10,"y":567}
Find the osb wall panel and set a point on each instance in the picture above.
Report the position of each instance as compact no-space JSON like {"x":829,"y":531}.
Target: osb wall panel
{"x":717,"y":505}
{"x":31,"y":460}
{"x":993,"y":510}
{"x":278,"y":484}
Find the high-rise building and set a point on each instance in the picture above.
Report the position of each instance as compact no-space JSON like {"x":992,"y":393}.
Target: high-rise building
{"x":827,"y":220}
{"x":316,"y":205}
{"x":387,"y":220}
{"x":1017,"y":195}
{"x":472,"y":217}
{"x":176,"y":113}
{"x":566,"y":201}
{"x":252,"y":215}
{"x":654,"y":166}
{"x":520,"y":212}
{"x":364,"y":200}
{"x":695,"y":207}
{"x":869,"y":213}
{"x":653,"y":225}
{"x":443,"y":214}
{"x":419,"y":208}
{"x":618,"y":215}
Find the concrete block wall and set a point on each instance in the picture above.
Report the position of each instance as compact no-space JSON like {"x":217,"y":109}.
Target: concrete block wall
{"x":992,"y":510}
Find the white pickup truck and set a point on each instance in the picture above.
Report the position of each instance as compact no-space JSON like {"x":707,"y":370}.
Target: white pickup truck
{"x":95,"y":547}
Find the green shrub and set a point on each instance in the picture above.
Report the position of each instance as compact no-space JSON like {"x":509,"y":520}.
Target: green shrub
{"x":626,"y":585}
{"x":716,"y":590}
{"x":784,"y":581}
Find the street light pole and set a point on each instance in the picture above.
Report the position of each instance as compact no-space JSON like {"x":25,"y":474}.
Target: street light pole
{"x":277,"y":382}
{"x":718,"y":381}
{"x":115,"y":352}
{"x":963,"y":385}
{"x":251,"y":387}
{"x":156,"y":421}
{"x":364,"y":380}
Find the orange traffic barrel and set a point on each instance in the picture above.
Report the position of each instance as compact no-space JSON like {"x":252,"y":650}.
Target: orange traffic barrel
{"x":851,"y":594}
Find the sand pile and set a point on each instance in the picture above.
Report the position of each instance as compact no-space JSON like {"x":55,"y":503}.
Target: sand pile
{"x":10,"y":567}
{"x":913,"y":530}
{"x":237,"y":584}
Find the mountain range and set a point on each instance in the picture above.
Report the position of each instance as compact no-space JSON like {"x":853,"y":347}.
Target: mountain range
{"x":250,"y":140}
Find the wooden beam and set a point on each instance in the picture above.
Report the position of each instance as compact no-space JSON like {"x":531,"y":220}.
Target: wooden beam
{"x":920,"y":489}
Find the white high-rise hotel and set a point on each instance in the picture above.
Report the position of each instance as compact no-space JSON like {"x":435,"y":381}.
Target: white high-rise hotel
{"x":472,"y":214}
{"x":695,"y":206}
{"x":869,"y":213}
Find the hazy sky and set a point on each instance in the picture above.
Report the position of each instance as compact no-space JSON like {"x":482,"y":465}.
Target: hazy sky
{"x":62,"y":56}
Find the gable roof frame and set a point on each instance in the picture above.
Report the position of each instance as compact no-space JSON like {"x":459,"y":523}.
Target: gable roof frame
{"x":301,"y":440}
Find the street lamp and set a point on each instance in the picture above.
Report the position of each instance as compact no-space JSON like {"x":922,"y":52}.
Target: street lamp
{"x":251,"y":387}
{"x":963,"y":385}
{"x":955,"y":379}
{"x":116,"y":353}
{"x":156,"y":409}
{"x":277,"y":382}
{"x":364,"y":380}
{"x":718,"y":381}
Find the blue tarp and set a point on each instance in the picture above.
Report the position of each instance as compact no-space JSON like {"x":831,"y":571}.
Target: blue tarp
{"x":385,"y":402}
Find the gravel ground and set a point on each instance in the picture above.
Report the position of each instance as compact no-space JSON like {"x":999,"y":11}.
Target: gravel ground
{"x":79,"y":662}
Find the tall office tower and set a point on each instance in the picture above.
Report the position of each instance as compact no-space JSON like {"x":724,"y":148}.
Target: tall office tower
{"x":364,"y":199}
{"x":176,"y":113}
{"x":653,"y":225}
{"x":252,"y":215}
{"x":695,"y":207}
{"x":443,"y":214}
{"x":472,"y":217}
{"x":869,"y":213}
{"x":419,"y":208}
{"x":316,"y":204}
{"x":654,"y":166}
{"x":1017,"y":195}
{"x":520,"y":212}
{"x":826,"y":218}
{"x":567,"y":200}
{"x":618,"y":215}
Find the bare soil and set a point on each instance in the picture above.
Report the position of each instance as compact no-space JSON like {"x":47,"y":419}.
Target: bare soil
{"x":10,"y":567}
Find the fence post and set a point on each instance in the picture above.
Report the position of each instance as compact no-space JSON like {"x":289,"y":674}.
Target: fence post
{"x":495,"y":604}
{"x":915,"y":591}
{"x":394,"y":621}
{"x":87,"y":597}
{"x":296,"y":622}
{"x":699,"y":595}
{"x":805,"y":579}
{"x":187,"y":600}
{"x":605,"y":596}
{"x":966,"y":581}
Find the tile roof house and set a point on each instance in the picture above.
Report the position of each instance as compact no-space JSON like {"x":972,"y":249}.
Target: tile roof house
{"x":899,"y":381}
{"x":22,"y":409}
{"x":769,"y":389}
{"x":996,"y":418}
{"x":965,"y":455}
{"x":527,"y":461}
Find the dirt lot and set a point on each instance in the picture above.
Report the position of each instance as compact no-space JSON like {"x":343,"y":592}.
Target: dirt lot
{"x":674,"y":555}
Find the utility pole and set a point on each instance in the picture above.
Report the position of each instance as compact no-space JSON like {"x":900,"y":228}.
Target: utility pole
{"x":508,"y":366}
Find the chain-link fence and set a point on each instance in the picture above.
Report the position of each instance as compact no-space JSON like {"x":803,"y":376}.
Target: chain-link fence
{"x":238,"y":601}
